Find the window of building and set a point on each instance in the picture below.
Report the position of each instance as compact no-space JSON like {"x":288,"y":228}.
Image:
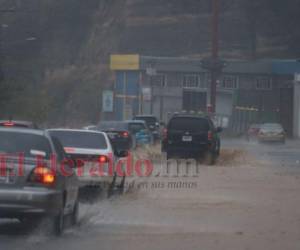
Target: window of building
{"x":191,"y":81}
{"x":159,"y":80}
{"x":230,"y":82}
{"x":264,"y":83}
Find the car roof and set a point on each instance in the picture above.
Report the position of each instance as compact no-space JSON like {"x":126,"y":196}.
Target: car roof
{"x":271,"y":125}
{"x":190,"y":116}
{"x":111,"y":122}
{"x":151,"y":116}
{"x":75,"y":130}
{"x":135,"y":121}
{"x":24,"y":130}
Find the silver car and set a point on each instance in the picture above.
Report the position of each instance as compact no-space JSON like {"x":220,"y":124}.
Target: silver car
{"x":35,"y":179}
{"x":99,"y":158}
{"x":271,"y":132}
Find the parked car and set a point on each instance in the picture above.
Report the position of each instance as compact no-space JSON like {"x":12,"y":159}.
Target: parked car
{"x":39,"y":191}
{"x":271,"y":132}
{"x":118,"y":133}
{"x":18,"y":124}
{"x":152,"y":123}
{"x":253,"y":131}
{"x":93,"y":148}
{"x":192,"y":136}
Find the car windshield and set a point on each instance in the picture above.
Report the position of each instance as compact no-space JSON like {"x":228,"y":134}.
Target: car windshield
{"x":76,"y":139}
{"x":28,"y":144}
{"x":189,"y":124}
{"x":136,"y":127}
{"x":271,"y":126}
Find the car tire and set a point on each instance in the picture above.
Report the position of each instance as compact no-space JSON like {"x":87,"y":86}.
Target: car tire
{"x":75,"y":214}
{"x":58,"y":223}
{"x":111,"y":187}
{"x":121,"y":187}
{"x":218,"y":149}
{"x":209,"y":158}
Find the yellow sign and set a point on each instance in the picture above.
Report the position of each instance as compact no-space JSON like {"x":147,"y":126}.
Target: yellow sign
{"x":124,"y":62}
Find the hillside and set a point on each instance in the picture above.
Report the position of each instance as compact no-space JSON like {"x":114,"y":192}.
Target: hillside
{"x":57,"y":77}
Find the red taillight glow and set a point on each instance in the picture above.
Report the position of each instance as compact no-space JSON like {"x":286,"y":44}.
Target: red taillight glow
{"x":103,"y":159}
{"x":69,"y":150}
{"x":125,"y":134}
{"x":43,"y":175}
{"x":209,"y":136}
{"x":8,"y":124}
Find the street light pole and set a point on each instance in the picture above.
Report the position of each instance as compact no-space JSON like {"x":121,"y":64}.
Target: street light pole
{"x":214,"y":54}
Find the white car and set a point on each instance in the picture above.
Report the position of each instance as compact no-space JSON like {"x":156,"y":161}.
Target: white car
{"x":95,"y":150}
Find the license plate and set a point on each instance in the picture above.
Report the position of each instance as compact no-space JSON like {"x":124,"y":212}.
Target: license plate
{"x":187,"y":138}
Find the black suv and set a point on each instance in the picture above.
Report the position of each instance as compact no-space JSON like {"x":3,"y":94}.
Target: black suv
{"x":192,"y":136}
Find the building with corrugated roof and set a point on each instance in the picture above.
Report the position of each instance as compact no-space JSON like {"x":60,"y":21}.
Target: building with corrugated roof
{"x":247,"y":92}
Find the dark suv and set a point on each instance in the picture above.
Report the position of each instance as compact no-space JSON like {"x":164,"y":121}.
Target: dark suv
{"x":192,"y":136}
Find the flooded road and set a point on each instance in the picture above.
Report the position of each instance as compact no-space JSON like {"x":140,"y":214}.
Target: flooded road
{"x":249,"y":200}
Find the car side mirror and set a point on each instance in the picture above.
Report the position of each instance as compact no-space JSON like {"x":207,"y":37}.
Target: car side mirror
{"x":219,"y":129}
{"x":121,"y":153}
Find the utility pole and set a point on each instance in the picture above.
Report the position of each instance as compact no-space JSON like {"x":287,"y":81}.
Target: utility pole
{"x":214,"y":54}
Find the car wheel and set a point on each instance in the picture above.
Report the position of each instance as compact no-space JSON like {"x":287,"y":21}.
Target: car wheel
{"x":58,"y":223}
{"x":111,"y":187}
{"x":121,"y":187}
{"x":75,"y":214}
{"x":209,"y":158}
{"x":218,"y":151}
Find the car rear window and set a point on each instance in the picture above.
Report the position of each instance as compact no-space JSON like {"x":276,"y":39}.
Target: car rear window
{"x":14,"y":142}
{"x":76,"y":139}
{"x":136,"y":127}
{"x":189,"y":124}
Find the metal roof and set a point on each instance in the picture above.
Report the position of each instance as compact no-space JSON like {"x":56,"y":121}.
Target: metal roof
{"x":181,"y":64}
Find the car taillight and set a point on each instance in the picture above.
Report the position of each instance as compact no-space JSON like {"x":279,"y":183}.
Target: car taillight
{"x":165,"y":133}
{"x":209,"y":135}
{"x":43,"y":175}
{"x":125,"y":134}
{"x":8,"y":124}
{"x":103,"y":159}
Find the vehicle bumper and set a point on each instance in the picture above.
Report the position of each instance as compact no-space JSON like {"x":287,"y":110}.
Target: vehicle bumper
{"x":29,"y":201}
{"x":95,"y":180}
{"x":188,"y":150}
